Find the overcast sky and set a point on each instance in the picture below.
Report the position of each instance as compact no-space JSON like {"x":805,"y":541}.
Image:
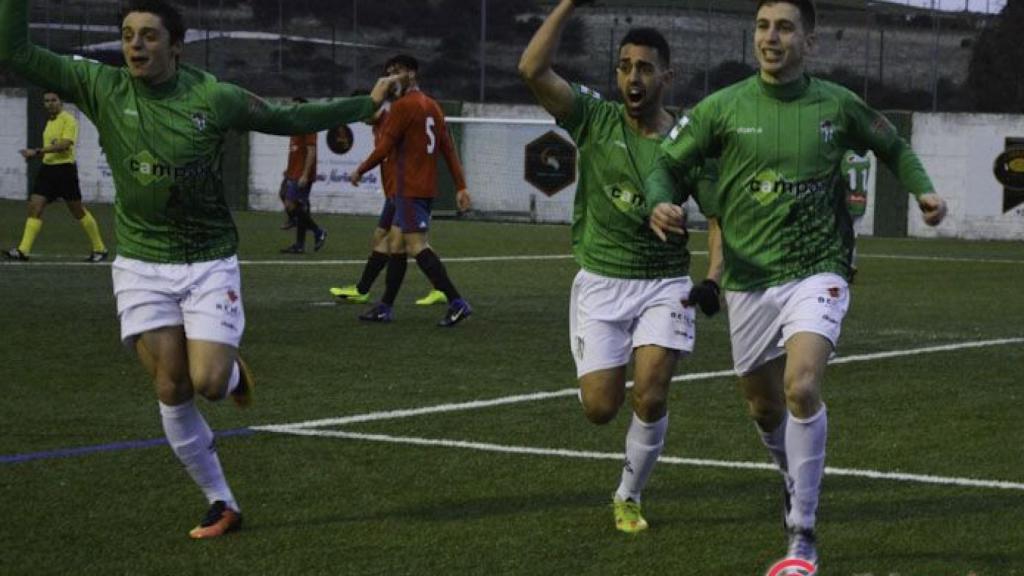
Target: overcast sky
{"x":972,"y":5}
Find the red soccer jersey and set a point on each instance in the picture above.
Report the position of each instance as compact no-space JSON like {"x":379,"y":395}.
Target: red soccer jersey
{"x":297,"y":151}
{"x":387,"y":167}
{"x":414,"y":130}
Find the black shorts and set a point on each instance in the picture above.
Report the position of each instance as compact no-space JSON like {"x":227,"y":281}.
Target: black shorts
{"x":58,"y":181}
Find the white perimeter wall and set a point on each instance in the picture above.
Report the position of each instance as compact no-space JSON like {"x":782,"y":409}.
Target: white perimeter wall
{"x":959,"y":152}
{"x":13,"y":137}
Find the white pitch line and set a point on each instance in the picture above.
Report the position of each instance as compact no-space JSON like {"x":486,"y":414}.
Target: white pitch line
{"x":506,"y":400}
{"x":698,"y":462}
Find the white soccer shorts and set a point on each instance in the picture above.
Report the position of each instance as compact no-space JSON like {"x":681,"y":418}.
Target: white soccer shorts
{"x":204,"y":297}
{"x":609,"y":317}
{"x":761,"y":321}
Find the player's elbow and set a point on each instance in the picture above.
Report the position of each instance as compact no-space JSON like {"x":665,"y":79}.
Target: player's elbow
{"x":529,"y":71}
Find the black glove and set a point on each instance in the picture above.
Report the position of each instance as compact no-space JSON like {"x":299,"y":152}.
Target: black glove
{"x":581,"y":2}
{"x":706,"y":297}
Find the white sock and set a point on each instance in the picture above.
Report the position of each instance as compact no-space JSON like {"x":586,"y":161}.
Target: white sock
{"x":775,"y":442}
{"x":805,"y":450}
{"x":644,"y":442}
{"x":233,"y":380}
{"x":192,"y":441}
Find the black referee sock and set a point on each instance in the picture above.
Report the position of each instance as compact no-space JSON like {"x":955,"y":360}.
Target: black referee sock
{"x":374,"y":264}
{"x":397,"y":265}
{"x":432,"y":266}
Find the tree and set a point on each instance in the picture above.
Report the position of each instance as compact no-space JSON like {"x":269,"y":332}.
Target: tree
{"x":995,"y":76}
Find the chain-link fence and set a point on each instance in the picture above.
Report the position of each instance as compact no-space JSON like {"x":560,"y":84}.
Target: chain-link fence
{"x":894,"y":55}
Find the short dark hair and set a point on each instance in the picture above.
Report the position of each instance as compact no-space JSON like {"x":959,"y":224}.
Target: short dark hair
{"x":169,"y":15}
{"x":808,"y":13}
{"x":55,"y":93}
{"x":652,"y":39}
{"x":404,"y":60}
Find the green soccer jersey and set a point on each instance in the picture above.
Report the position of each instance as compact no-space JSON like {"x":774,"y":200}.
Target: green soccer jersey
{"x":164,"y":143}
{"x":610,"y":235}
{"x":855,"y":171}
{"x":780,"y":197}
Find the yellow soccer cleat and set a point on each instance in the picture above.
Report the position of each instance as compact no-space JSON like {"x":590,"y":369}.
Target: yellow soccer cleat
{"x":627,"y":516}
{"x":350,"y":294}
{"x":432,"y":297}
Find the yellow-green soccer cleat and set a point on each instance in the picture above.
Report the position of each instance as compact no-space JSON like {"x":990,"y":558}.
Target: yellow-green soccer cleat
{"x":350,"y":294}
{"x":432,"y":297}
{"x":627,"y":516}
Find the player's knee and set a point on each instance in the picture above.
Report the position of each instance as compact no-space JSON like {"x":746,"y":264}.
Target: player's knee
{"x":650,"y":405}
{"x":768,"y":412}
{"x":600,"y":408}
{"x":209,"y":384}
{"x":172,"y":391}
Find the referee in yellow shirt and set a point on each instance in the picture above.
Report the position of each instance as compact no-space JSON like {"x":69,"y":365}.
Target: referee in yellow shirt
{"x":57,"y":178}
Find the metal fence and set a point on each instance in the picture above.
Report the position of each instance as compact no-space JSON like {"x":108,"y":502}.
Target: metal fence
{"x":894,"y":55}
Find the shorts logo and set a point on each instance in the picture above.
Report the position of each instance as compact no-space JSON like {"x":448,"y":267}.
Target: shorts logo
{"x":792,"y":567}
{"x":579,"y":347}
{"x":232,"y":295}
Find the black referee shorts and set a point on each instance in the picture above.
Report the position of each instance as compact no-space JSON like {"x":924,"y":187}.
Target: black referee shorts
{"x":58,"y":181}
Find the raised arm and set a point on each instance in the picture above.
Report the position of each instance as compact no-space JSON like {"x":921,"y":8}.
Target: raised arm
{"x":69,"y":76}
{"x":551,"y":90}
{"x":395,"y":124}
{"x":246,"y":111}
{"x":873,"y":130}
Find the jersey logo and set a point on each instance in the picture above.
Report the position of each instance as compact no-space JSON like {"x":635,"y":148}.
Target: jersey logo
{"x":678,"y":128}
{"x":626,"y":200}
{"x":146,"y":169}
{"x":199,"y":119}
{"x":767,"y":185}
{"x":828,"y":131}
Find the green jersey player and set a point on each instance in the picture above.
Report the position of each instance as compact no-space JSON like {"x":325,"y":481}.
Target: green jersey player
{"x":626,"y":299}
{"x":785,"y":234}
{"x":162,"y":126}
{"x":855,"y":170}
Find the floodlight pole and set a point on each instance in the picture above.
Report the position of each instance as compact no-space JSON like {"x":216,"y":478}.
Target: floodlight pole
{"x":483,"y":50}
{"x":355,"y":49}
{"x":280,"y":36}
{"x":935,"y":59}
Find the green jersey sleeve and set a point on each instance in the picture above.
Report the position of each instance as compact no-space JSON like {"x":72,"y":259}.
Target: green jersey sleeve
{"x":73,"y":77}
{"x":690,"y":141}
{"x":869,"y":129}
{"x":244,"y":111}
